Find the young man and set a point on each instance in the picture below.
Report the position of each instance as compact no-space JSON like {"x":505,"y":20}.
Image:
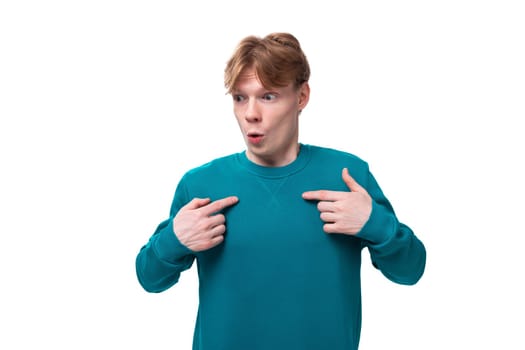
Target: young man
{"x":277,"y":230}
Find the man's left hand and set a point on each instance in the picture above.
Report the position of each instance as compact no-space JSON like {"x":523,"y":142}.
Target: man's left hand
{"x":343,"y":212}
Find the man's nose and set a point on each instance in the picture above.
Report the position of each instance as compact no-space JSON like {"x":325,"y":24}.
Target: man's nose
{"x":252,"y":113}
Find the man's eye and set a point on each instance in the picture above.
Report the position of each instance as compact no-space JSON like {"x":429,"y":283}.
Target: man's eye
{"x":238,"y":98}
{"x":269,"y":97}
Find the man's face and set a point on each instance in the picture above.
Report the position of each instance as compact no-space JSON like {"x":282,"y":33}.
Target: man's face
{"x":269,"y":119}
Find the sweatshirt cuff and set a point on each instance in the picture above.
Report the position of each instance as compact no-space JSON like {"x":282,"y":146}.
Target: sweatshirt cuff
{"x":168,"y":246}
{"x":380,"y":227}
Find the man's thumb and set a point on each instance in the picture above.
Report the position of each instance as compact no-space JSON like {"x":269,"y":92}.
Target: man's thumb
{"x":350,"y":182}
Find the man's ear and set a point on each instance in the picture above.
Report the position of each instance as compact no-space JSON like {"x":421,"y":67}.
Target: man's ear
{"x":304,"y":95}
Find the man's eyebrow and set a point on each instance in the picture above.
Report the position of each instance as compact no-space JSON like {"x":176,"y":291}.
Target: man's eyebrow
{"x":261,"y":90}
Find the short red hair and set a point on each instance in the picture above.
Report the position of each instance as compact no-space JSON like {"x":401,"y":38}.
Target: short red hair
{"x":277,"y":58}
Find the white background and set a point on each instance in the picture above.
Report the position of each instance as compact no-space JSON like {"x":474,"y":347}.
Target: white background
{"x":105,"y":104}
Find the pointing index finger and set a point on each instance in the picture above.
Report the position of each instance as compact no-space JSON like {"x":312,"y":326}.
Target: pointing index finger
{"x":322,"y":195}
{"x":219,"y":205}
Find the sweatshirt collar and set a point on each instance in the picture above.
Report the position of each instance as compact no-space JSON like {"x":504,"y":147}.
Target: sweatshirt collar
{"x":276,"y":172}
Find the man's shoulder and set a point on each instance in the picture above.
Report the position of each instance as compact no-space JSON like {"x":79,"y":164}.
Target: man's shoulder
{"x":334,"y":154}
{"x":216,"y":166}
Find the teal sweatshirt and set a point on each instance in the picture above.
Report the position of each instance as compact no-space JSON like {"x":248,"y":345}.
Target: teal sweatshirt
{"x":278,"y":281}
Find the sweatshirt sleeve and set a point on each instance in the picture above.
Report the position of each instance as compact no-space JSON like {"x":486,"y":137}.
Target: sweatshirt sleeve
{"x":394,"y":248}
{"x":160,"y":262}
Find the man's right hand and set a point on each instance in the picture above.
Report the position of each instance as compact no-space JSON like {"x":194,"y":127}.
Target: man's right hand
{"x":199,"y":225}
